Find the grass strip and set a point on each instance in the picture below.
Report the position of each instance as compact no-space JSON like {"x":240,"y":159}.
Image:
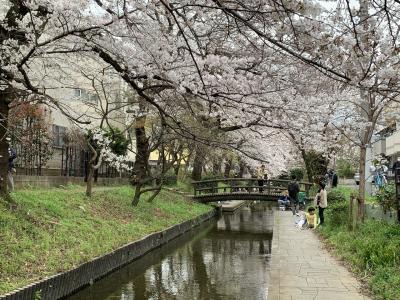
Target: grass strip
{"x":372,"y":251}
{"x":54,"y":230}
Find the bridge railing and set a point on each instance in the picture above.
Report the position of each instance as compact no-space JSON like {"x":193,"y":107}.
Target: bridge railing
{"x":249,"y":185}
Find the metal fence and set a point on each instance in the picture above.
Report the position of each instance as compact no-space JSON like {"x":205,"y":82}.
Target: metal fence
{"x":69,"y":161}
{"x":74,"y":162}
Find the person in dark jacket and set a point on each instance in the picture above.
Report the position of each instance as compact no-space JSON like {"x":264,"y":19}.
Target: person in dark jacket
{"x":396,"y":165}
{"x":335,"y":180}
{"x":294,"y":190}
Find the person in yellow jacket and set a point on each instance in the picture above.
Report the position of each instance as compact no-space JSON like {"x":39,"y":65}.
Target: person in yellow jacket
{"x":311,"y":217}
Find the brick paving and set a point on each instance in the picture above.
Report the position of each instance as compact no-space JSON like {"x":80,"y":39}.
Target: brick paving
{"x":302,"y":270}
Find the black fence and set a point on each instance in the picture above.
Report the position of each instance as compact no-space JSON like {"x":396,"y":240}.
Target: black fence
{"x":29,"y":162}
{"x":65,"y":161}
{"x":74,"y":162}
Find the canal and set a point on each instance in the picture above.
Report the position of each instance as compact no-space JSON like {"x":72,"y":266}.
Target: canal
{"x":224,"y":259}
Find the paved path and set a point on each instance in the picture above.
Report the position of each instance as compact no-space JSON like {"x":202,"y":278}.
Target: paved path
{"x":302,"y":270}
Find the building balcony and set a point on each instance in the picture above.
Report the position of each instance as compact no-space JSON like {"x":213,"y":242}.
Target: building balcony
{"x":393,"y":143}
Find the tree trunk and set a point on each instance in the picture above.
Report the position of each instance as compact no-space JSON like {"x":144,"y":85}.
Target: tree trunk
{"x":152,"y":197}
{"x":96,"y":173}
{"x":242,"y":167}
{"x":91,"y":169}
{"x":307,"y":164}
{"x":216,"y":166}
{"x":198,"y":163}
{"x":177,"y":166}
{"x":187,"y":162}
{"x":4,"y":110}
{"x":361,"y":190}
{"x":141,"y":165}
{"x":136,"y":197}
{"x":89,"y":182}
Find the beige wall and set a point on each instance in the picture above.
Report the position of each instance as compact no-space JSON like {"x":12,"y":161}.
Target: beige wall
{"x":22,"y":181}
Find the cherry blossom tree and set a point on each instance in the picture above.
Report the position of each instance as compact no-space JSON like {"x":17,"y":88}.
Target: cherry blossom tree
{"x":229,"y":65}
{"x":101,"y":147}
{"x":355,"y":44}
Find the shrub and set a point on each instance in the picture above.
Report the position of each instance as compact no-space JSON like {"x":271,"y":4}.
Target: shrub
{"x":210,"y":177}
{"x":312,"y":191}
{"x":335,"y":196}
{"x":386,"y":197}
{"x":345,"y":168}
{"x":119,"y":143}
{"x":372,"y":250}
{"x":337,"y":213}
{"x":284,"y":176}
{"x":298,"y":173}
{"x":170,"y":178}
{"x":384,"y":282}
{"x":317,"y":164}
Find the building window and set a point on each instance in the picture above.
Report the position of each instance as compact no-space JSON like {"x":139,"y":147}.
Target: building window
{"x":59,"y":135}
{"x":77,"y":92}
{"x":86,"y":96}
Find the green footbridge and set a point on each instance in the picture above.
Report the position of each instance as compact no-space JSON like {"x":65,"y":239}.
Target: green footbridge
{"x":225,"y":189}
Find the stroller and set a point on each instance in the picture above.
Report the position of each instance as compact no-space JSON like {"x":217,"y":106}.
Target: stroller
{"x":302,"y":196}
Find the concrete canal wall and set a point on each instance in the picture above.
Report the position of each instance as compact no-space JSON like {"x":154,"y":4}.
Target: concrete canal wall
{"x":64,"y":284}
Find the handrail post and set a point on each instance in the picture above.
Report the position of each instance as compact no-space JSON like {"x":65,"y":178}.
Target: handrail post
{"x":269,"y":186}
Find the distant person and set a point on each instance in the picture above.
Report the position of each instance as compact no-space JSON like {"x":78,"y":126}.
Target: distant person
{"x":294,"y":190}
{"x":330,"y":175}
{"x":335,"y":180}
{"x":284,"y":201}
{"x":396,"y":165}
{"x":321,"y":201}
{"x":235,"y":183}
{"x":261,"y":175}
{"x":11,"y":170}
{"x":249,"y":175}
{"x":311,"y":218}
{"x":326,"y":178}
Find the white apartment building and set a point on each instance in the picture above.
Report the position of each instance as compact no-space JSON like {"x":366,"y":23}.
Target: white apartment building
{"x":387,"y":142}
{"x":86,"y":100}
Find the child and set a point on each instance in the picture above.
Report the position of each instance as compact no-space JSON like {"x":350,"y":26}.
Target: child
{"x":311,"y":218}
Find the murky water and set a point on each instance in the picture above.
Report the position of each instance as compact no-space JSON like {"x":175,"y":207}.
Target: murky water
{"x":224,"y":259}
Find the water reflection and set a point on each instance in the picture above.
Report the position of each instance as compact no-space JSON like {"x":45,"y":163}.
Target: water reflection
{"x":227,"y":259}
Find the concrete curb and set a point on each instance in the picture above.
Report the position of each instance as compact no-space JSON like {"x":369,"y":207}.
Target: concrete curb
{"x":64,"y":284}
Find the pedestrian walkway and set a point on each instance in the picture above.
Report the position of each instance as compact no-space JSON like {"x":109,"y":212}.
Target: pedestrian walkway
{"x":302,"y":270}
